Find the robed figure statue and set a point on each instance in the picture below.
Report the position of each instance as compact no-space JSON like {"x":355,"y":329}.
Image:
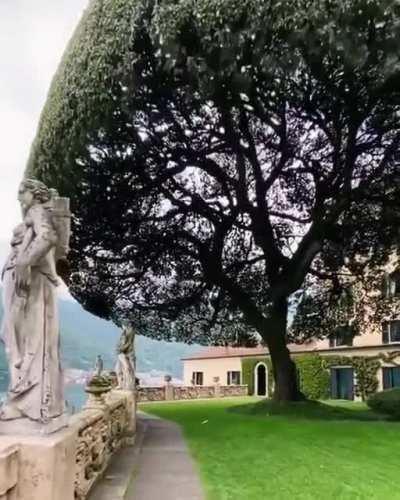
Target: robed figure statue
{"x":125,"y":361}
{"x":30,"y":329}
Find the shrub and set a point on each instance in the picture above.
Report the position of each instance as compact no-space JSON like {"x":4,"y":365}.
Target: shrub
{"x":386,"y":402}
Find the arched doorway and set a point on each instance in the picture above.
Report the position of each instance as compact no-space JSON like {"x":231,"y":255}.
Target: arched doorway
{"x":261,"y":379}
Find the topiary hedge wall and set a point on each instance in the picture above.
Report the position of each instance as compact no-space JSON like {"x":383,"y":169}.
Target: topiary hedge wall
{"x":314,"y":378}
{"x":314,"y":374}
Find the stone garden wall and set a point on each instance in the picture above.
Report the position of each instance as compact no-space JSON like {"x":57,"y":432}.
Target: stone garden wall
{"x":176,"y":393}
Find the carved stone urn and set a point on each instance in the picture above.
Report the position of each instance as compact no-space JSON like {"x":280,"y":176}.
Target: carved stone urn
{"x":97,"y":388}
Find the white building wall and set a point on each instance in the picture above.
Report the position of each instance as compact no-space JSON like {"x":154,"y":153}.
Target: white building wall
{"x":215,"y":367}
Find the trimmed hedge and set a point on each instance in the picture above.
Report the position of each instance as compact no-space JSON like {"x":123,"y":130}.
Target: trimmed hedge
{"x":314,"y":378}
{"x":386,"y":402}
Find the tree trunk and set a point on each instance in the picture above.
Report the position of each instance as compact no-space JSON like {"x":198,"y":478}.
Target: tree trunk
{"x":285,"y":373}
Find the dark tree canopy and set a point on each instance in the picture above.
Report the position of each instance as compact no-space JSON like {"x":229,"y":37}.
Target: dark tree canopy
{"x":218,"y":151}
{"x":360,"y":298}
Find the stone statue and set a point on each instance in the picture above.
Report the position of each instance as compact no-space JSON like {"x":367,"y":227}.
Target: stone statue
{"x":99,"y":366}
{"x":125,"y":362}
{"x":30,"y":329}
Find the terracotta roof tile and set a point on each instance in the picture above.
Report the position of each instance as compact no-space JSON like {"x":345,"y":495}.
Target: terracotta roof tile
{"x":230,"y":352}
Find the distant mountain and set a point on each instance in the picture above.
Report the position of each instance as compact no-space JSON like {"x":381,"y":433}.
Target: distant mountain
{"x":83,"y":336}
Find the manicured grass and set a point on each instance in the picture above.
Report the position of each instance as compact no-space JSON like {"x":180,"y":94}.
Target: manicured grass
{"x":248,"y":449}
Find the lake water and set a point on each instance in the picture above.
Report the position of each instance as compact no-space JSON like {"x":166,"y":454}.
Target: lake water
{"x":75,"y":396}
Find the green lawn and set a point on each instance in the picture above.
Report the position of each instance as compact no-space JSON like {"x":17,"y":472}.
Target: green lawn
{"x":249,"y":450}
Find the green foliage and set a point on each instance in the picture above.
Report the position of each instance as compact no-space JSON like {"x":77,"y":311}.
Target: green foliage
{"x":248,"y":365}
{"x":214,"y":41}
{"x":386,"y":402}
{"x":314,"y":374}
{"x":314,"y":377}
{"x":80,"y":100}
{"x":325,"y":309}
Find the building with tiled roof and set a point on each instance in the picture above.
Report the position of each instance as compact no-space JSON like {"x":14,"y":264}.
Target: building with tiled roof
{"x":225,"y":365}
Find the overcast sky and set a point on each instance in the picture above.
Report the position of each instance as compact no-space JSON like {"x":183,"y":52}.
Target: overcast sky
{"x":33,"y":35}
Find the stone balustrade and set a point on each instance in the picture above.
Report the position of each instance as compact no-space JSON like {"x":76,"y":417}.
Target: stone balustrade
{"x":101,"y":432}
{"x":150,"y":394}
{"x":176,"y":393}
{"x":66,"y":464}
{"x":229,"y":391}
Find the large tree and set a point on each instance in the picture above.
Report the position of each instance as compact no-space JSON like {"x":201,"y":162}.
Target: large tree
{"x":217,"y":152}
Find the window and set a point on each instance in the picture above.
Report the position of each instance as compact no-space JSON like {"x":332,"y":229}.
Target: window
{"x":197,"y":378}
{"x":342,"y":383}
{"x":233,"y":378}
{"x":343,"y":336}
{"x":391,"y":377}
{"x":390,"y":331}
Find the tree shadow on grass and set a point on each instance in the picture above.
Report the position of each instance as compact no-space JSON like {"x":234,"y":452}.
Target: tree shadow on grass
{"x":309,"y":410}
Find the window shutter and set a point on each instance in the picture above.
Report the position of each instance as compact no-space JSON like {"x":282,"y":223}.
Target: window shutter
{"x":228,"y":378}
{"x":332,"y":340}
{"x":396,"y":376}
{"x":397,"y":283}
{"x":385,"y":332}
{"x":334,"y":387}
{"x":386,"y":378}
{"x":395,"y":331}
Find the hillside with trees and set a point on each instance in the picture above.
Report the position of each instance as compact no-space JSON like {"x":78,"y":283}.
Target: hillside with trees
{"x":83,"y":336}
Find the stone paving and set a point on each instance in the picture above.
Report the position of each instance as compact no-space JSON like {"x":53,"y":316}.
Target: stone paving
{"x":157,"y":467}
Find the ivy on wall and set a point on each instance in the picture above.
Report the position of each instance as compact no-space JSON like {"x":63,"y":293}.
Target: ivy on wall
{"x":314,"y":373}
{"x":365,"y":370}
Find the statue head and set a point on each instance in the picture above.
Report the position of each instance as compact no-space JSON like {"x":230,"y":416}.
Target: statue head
{"x":32,"y":192}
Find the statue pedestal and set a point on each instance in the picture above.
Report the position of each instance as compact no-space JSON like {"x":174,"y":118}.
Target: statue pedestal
{"x":43,"y":466}
{"x":27,"y":427}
